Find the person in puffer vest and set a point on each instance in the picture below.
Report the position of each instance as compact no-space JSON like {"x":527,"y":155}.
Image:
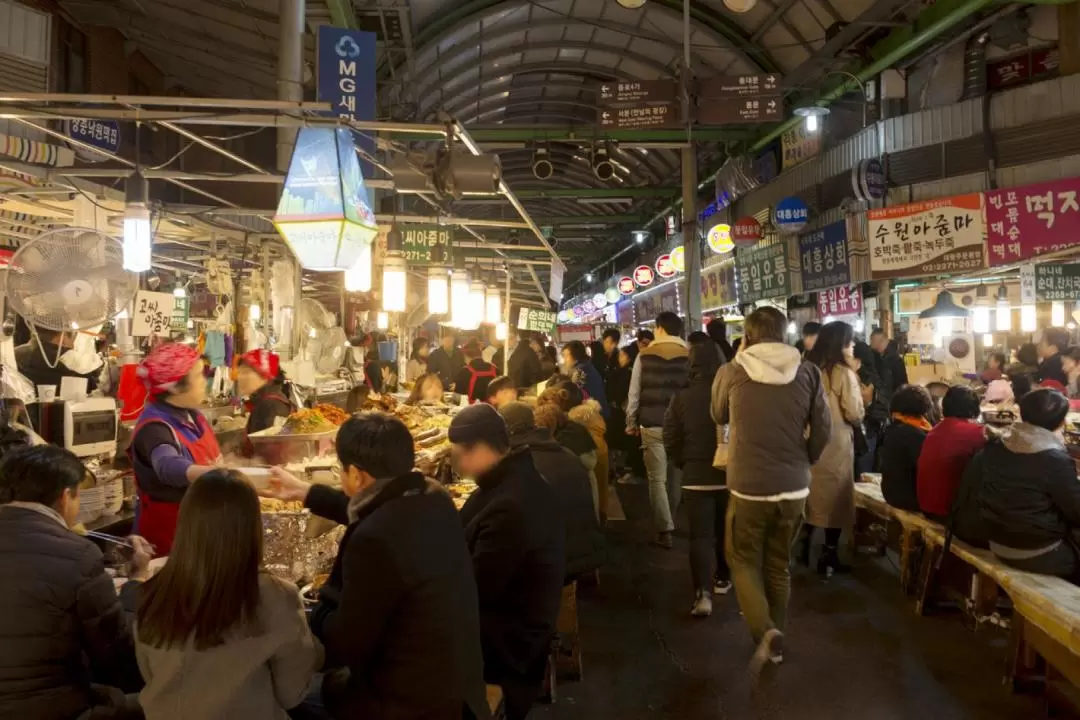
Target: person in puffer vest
{"x":660,"y":371}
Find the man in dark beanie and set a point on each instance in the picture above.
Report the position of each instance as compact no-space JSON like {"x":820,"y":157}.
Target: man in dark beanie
{"x":516,"y":535}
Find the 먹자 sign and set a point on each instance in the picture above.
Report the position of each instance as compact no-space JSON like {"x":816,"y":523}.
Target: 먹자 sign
{"x":868,"y":180}
{"x":345,"y":78}
{"x":643,"y":275}
{"x":798,"y":145}
{"x":747,"y":232}
{"x":843,"y":300}
{"x":791,"y":214}
{"x":823,"y":257}
{"x":535,"y":320}
{"x":625,"y":286}
{"x":719,"y":239}
{"x":927,"y":238}
{"x":102,"y":134}
{"x":152,"y":314}
{"x":1031,"y":220}
{"x":419,"y":239}
{"x":763,"y":272}
{"x":718,"y":285}
{"x":665,"y":267}
{"x":1057,"y":281}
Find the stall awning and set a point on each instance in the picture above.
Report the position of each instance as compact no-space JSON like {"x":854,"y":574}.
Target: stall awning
{"x":35,"y":151}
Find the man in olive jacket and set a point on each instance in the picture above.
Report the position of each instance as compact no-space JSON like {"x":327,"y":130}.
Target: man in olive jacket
{"x":779,"y":424}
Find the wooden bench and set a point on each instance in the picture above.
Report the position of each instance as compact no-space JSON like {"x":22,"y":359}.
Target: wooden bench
{"x":908,"y":526}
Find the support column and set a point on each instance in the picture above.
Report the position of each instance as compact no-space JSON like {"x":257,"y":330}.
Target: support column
{"x":691,"y":246}
{"x":885,"y":304}
{"x":290,"y":82}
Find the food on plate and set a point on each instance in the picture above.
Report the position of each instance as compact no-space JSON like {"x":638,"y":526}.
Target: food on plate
{"x":381,"y":403}
{"x":270,"y":505}
{"x":332,"y":413}
{"x":307,"y":421}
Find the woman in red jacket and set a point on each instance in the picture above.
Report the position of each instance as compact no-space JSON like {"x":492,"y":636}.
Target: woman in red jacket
{"x":947,"y":450}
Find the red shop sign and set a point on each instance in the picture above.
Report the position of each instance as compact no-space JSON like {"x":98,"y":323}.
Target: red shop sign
{"x":1031,"y":220}
{"x":643,"y":275}
{"x":626,"y":285}
{"x":665,"y":267}
{"x":1021,"y":69}
{"x":747,"y":232}
{"x":843,"y":300}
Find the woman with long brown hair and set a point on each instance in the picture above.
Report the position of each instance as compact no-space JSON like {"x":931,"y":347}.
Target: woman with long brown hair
{"x":216,"y":637}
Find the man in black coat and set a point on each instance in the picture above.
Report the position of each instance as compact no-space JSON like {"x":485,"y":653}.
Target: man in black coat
{"x":524,"y":368}
{"x":516,"y":535}
{"x":888,"y":363}
{"x":398,"y":616}
{"x":66,"y":644}
{"x":446,"y":360}
{"x":586,"y":548}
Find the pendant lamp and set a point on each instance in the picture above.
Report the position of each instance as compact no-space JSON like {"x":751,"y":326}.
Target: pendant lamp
{"x":944,"y":307}
{"x":137,"y":240}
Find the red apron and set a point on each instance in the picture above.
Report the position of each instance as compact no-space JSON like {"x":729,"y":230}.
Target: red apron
{"x":476,"y":375}
{"x":157,"y":519}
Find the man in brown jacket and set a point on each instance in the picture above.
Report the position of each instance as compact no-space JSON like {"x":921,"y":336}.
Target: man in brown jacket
{"x":779,"y":426}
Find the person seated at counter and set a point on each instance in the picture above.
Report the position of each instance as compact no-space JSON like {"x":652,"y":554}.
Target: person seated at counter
{"x":472,"y":380}
{"x":908,"y":427}
{"x":173,"y":444}
{"x":501,"y":391}
{"x":516,"y":534}
{"x":1053,"y":343}
{"x":398,"y":616}
{"x":418,"y":360}
{"x":428,"y":390}
{"x":947,"y":450}
{"x":995,"y":368}
{"x":261,"y":380}
{"x":1029,"y":496}
{"x":216,"y":635}
{"x":66,"y":647}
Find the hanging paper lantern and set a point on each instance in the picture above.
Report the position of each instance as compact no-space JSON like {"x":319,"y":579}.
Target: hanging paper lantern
{"x":644,"y":276}
{"x":612,"y":295}
{"x":665,"y":267}
{"x":626,"y":285}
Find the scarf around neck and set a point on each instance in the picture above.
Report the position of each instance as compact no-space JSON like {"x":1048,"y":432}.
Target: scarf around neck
{"x":361,"y":499}
{"x":919,"y":423}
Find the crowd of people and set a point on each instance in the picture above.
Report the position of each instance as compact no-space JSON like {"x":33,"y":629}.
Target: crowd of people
{"x":425,"y":604}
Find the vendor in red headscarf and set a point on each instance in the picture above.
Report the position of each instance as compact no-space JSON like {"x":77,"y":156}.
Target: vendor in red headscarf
{"x":261,"y":380}
{"x":173,"y":443}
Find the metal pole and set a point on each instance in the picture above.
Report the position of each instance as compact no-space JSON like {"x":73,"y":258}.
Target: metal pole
{"x":505,"y":369}
{"x":691,"y":246}
{"x":290,"y":80}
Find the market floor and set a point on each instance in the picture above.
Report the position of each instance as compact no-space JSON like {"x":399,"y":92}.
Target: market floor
{"x":855,"y":649}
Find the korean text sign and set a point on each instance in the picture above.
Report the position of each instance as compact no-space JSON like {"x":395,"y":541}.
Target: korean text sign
{"x":420,"y":239}
{"x":345,"y":78}
{"x":935,"y":237}
{"x":1030,"y":220}
{"x":1057,"y":281}
{"x":823,"y":257}
{"x":718,"y":285}
{"x":844,"y":300}
{"x":763,"y":273}
{"x":536,"y":320}
{"x":153,"y":313}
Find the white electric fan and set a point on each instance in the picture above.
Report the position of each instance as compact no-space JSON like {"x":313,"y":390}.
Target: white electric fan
{"x":323,"y":340}
{"x":68,"y":279}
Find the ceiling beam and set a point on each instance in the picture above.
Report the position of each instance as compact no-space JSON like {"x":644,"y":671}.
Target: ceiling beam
{"x":595,"y":192}
{"x":585,"y":134}
{"x":342,"y":13}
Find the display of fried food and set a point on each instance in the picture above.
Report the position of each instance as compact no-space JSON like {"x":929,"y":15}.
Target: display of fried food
{"x":381,"y":403}
{"x":270,"y":505}
{"x":413,"y":417}
{"x":306,"y":421}
{"x":332,"y":413}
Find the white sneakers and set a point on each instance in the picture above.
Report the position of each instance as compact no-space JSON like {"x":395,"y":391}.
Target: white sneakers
{"x":769,"y":650}
{"x":721,"y":587}
{"x":702,"y":605}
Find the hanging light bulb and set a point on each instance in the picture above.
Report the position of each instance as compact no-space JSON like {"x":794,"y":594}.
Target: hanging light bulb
{"x":980,"y":320}
{"x":179,"y":291}
{"x":137,"y":239}
{"x":358,"y":277}
{"x":477,"y":300}
{"x":1057,"y":313}
{"x":493,"y":306}
{"x":501,"y":331}
{"x":254,"y":312}
{"x":459,"y":298}
{"x":393,"y":284}
{"x":438,"y":290}
{"x":382,"y":320}
{"x":1003,"y":321}
{"x":1027,"y":318}
{"x":988,"y":340}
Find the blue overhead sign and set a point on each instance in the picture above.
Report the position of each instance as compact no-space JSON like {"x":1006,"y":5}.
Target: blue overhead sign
{"x":102,"y":134}
{"x":345,"y":78}
{"x":791,"y":215}
{"x":823,"y":257}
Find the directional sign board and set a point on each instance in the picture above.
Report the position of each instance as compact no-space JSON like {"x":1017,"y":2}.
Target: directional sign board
{"x":739,"y":86}
{"x":637,"y":118}
{"x":743,"y":110}
{"x":619,"y":93}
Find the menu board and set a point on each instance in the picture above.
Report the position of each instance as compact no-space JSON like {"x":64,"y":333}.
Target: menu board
{"x":718,"y":285}
{"x":1057,"y":281}
{"x":935,"y":237}
{"x":1031,"y":220}
{"x":823,"y":257}
{"x":763,"y":272}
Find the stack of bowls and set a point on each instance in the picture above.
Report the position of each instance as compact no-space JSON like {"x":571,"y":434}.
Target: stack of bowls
{"x":114,"y":495}
{"x":91,"y":504}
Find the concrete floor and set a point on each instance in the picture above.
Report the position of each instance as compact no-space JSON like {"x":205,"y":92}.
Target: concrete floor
{"x":855,"y":649}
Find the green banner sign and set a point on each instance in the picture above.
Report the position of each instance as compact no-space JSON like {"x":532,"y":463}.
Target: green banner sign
{"x":1056,"y":282}
{"x":421,"y":238}
{"x":535,"y":320}
{"x":763,"y":272}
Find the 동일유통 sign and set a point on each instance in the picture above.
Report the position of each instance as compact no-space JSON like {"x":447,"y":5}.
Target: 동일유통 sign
{"x":763,"y":273}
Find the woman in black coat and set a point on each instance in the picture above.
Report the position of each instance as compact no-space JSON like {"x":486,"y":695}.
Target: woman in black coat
{"x":690,"y":438}
{"x":399,"y":615}
{"x":908,"y":428}
{"x":618,"y":394}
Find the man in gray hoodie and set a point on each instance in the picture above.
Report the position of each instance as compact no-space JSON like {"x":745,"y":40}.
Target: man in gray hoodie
{"x":779,"y":424}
